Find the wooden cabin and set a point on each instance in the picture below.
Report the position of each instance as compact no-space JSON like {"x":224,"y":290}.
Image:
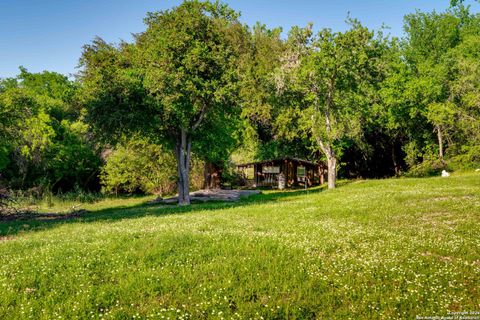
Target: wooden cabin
{"x":295,"y":173}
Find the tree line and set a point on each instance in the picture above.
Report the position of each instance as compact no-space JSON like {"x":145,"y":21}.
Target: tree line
{"x":198,"y":88}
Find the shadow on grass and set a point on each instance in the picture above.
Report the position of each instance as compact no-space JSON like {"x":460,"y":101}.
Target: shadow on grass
{"x":37,"y":223}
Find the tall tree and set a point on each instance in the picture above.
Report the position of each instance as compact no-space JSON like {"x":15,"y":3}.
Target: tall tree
{"x":466,"y":96}
{"x":429,"y":39}
{"x":334,"y":72}
{"x":177,"y":83}
{"x":257,"y":92}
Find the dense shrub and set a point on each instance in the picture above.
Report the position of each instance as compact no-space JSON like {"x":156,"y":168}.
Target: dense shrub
{"x":5,"y":201}
{"x":138,"y":166}
{"x":467,"y":158}
{"x":80,"y":195}
{"x":427,"y":168}
{"x":46,"y":144}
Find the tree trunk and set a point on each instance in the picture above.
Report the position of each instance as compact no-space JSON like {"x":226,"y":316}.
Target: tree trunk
{"x":212,"y":176}
{"x":331,"y":163}
{"x":331,"y":159}
{"x":325,"y":145}
{"x":332,"y":171}
{"x":207,"y":175}
{"x":182,"y":155}
{"x":440,"y":142}
{"x":321,"y":174}
{"x":396,"y":167}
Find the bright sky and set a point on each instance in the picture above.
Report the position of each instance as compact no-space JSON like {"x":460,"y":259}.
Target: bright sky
{"x":49,"y":34}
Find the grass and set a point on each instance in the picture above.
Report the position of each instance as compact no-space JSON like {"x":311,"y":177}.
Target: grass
{"x":381,"y":249}
{"x":93,"y":202}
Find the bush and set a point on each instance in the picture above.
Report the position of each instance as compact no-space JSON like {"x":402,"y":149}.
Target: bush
{"x":6,"y":202}
{"x":80,"y":195}
{"x":427,"y":168}
{"x":232,"y":178}
{"x":138,"y":166}
{"x":468,"y":158}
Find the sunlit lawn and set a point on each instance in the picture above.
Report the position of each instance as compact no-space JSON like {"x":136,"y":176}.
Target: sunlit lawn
{"x":386,"y":249}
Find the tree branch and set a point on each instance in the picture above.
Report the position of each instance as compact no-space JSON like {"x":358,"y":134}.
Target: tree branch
{"x":200,"y":117}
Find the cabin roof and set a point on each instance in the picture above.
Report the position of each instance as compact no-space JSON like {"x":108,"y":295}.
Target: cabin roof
{"x":301,"y":161}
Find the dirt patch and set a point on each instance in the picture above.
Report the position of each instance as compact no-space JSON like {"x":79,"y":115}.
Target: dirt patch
{"x":210,"y":195}
{"x":446,"y":220}
{"x":22,"y":216}
{"x":437,"y":215}
{"x":448,"y":198}
{"x":437,"y":256}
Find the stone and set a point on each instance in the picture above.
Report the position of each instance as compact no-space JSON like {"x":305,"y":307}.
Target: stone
{"x":211,"y":195}
{"x":281,"y":181}
{"x":156,"y":201}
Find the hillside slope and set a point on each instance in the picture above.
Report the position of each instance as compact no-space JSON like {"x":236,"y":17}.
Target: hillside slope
{"x":396,"y":248}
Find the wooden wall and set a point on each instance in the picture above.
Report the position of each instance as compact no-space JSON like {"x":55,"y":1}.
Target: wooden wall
{"x":314,"y":174}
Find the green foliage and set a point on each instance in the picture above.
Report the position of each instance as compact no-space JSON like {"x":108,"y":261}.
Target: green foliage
{"x":427,"y":168}
{"x":259,"y":112}
{"x":73,"y":160}
{"x":138,"y":166}
{"x":424,"y":91}
{"x":468,"y":157}
{"x":197,"y":81}
{"x":336,"y":84}
{"x":188,"y":64}
{"x":454,"y":3}
{"x":327,"y":84}
{"x":175,"y":85}
{"x":112,"y":92}
{"x":37,"y":136}
{"x":179,"y":72}
{"x":466,"y":90}
{"x":47,"y":143}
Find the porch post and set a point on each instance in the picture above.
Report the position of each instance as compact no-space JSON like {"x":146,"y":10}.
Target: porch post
{"x":320,"y":173}
{"x":295,"y":173}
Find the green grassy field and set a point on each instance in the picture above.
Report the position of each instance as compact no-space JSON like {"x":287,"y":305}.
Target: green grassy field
{"x":383,"y":249}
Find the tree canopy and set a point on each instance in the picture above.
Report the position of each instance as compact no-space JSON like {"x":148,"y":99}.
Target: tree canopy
{"x":174,"y":85}
{"x":199,"y":88}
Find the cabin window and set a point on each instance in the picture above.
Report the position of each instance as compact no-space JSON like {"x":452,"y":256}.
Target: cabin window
{"x":271,"y":169}
{"x":301,"y":172}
